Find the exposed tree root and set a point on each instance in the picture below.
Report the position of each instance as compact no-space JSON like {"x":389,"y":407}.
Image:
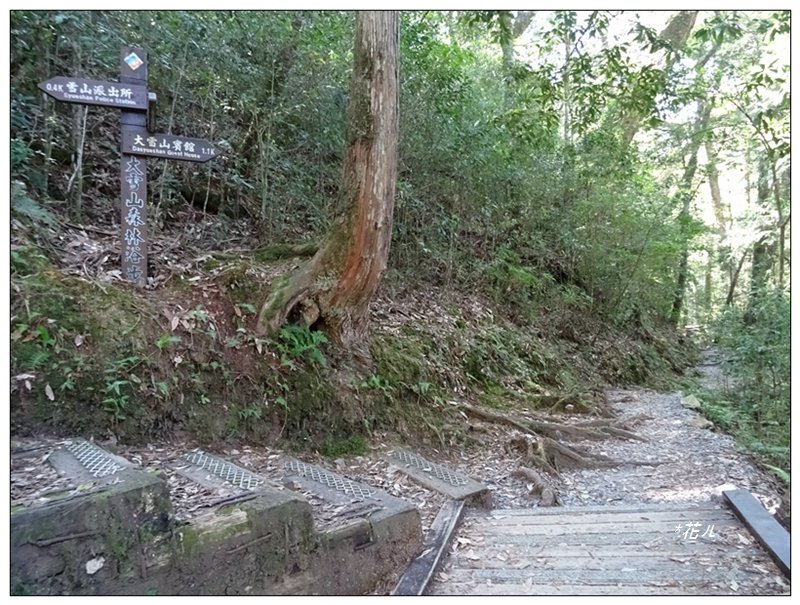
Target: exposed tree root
{"x":493,"y":417}
{"x":594,"y":402}
{"x":539,"y":446}
{"x":600,"y":429}
{"x":270,"y":253}
{"x":538,"y":486}
{"x":533,"y":453}
{"x":574,"y":457}
{"x":552,"y":456}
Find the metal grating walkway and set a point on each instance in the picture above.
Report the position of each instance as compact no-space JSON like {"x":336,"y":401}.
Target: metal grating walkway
{"x":94,"y":459}
{"x":320,"y":475}
{"x":226,"y":471}
{"x":442,"y":473}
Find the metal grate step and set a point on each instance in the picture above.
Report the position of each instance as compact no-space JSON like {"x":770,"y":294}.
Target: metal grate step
{"x":454,"y":478}
{"x":320,"y":475}
{"x":93,"y":458}
{"x":226,"y":471}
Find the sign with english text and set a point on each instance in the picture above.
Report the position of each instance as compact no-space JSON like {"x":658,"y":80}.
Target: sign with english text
{"x":96,"y":92}
{"x":131,"y":97}
{"x":170,"y":146}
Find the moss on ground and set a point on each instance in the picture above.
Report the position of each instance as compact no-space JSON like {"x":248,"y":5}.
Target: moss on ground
{"x":92,"y":359}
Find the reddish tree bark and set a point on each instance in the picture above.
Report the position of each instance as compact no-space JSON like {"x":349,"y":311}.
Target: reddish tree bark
{"x":332,"y":292}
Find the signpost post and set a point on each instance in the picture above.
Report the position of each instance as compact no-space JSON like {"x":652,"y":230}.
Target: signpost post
{"x":137,"y":122}
{"x":133,"y":176}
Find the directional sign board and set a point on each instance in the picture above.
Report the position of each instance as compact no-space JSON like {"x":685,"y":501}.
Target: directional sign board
{"x":96,"y":92}
{"x":156,"y":145}
{"x":137,"y":120}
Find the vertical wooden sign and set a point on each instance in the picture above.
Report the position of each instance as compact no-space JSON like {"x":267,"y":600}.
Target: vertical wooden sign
{"x":133,"y":175}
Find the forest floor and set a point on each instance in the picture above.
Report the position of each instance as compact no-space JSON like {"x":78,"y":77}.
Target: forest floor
{"x":635,"y":445}
{"x":678,"y":457}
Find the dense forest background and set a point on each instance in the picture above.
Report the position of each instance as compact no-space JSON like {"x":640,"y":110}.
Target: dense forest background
{"x":595,"y":184}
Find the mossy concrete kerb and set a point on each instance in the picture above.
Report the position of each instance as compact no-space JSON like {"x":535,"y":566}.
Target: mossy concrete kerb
{"x":85,"y":543}
{"x":123,"y":540}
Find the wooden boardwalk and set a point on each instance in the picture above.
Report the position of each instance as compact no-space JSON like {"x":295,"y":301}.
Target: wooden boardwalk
{"x":647,"y":549}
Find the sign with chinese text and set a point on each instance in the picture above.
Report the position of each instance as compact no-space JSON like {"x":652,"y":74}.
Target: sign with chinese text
{"x":96,"y":92}
{"x":134,"y":218}
{"x":130,"y":96}
{"x":169,"y":146}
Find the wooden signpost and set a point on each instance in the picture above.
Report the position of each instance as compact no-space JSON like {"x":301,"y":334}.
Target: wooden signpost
{"x":137,"y":123}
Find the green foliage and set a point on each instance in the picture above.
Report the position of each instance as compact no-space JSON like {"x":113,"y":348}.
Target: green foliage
{"x":116,"y":401}
{"x":20,"y":152}
{"x":301,"y":342}
{"x":354,"y":445}
{"x":758,"y":359}
{"x":376,"y":382}
{"x":782,"y":474}
{"x":758,"y":345}
{"x":166,"y":340}
{"x":23,"y":206}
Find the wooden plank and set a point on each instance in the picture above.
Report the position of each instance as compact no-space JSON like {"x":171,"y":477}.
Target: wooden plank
{"x":605,"y":508}
{"x":418,"y":575}
{"x":597,"y":518}
{"x":655,"y":539}
{"x":770,"y":534}
{"x":559,"y":529}
{"x":447,"y":588}
{"x":643,"y":564}
{"x":624,"y":575}
{"x":603,"y":550}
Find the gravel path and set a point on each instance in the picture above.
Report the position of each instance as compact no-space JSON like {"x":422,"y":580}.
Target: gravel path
{"x":690,"y":460}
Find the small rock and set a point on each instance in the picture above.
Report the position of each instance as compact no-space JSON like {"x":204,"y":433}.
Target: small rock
{"x":691,"y":402}
{"x":94,"y":565}
{"x":701,"y":423}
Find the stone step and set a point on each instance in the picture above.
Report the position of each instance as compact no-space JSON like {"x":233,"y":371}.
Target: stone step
{"x":334,"y":488}
{"x":301,"y":529}
{"x":84,"y":460}
{"x":214,"y":472}
{"x":82,"y":539}
{"x":452,"y":483}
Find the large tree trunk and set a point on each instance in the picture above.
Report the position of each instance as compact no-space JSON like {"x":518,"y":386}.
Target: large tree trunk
{"x":719,"y":215}
{"x":333,"y":290}
{"x":776,"y":192}
{"x":708,"y":288}
{"x":734,"y":280}
{"x":515,"y":26}
{"x":713,"y":185}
